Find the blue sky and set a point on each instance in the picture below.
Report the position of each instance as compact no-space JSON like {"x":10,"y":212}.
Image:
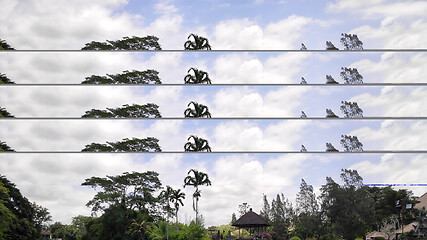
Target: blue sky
{"x":240,"y":25}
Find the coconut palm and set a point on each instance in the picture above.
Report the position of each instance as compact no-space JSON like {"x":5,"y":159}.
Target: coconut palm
{"x":138,"y":230}
{"x":166,"y":194}
{"x":198,"y":43}
{"x":198,"y":77}
{"x":176,"y":198}
{"x":199,"y":145}
{"x":199,"y":179}
{"x":199,"y":111}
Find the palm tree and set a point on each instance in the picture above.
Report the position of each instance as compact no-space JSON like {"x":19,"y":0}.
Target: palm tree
{"x":198,"y":77}
{"x":200,"y":178}
{"x":167,"y":194}
{"x":176,"y":198}
{"x":137,"y":230}
{"x":199,"y":111}
{"x":199,"y":145}
{"x":198,"y":43}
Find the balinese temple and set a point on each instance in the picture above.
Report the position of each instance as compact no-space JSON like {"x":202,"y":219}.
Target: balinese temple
{"x":253,"y":222}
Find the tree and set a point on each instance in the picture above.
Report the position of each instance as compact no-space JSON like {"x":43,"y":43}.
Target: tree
{"x":330,"y":80}
{"x":5,"y":148}
{"x":233,"y":218}
{"x":244,"y":208}
{"x":348,"y":208}
{"x":149,"y":110}
{"x":5,"y":80}
{"x":148,"y":76}
{"x":351,"y":109}
{"x":198,"y":43}
{"x":41,"y":217}
{"x":303,"y":47}
{"x":306,"y":199}
{"x":308,"y":220}
{"x":198,"y":77}
{"x":303,"y":115}
{"x":303,"y":81}
{"x":148,"y":144}
{"x":330,"y":148}
{"x":133,"y":43}
{"x":198,"y":111}
{"x":5,"y":46}
{"x":303,"y":149}
{"x":5,"y":114}
{"x":176,"y":198}
{"x":166,"y":195}
{"x":199,"y":145}
{"x":330,"y":114}
{"x":351,"y":42}
{"x":351,"y":144}
{"x":351,"y":76}
{"x":198,"y":179}
{"x":281,"y":216}
{"x":330,"y":46}
{"x":266,"y":209}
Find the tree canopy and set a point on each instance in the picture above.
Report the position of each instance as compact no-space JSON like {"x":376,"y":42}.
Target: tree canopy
{"x":351,"y":76}
{"x":351,"y":109}
{"x":148,"y":144}
{"x":198,"y":77}
{"x":5,"y":148}
{"x":198,"y":111}
{"x":149,"y":110}
{"x":198,"y":145}
{"x":5,"y":114}
{"x":149,"y":76}
{"x":351,"y":144}
{"x":5,"y":46}
{"x":127,"y":43}
{"x":197,"y":43}
{"x":5,"y":80}
{"x":351,"y":42}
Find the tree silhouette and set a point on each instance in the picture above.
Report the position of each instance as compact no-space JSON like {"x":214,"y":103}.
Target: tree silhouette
{"x":5,"y":80}
{"x":330,"y":46}
{"x":351,"y":144}
{"x":351,"y":76}
{"x":303,"y":47}
{"x":330,"y":148}
{"x":5,"y":148}
{"x":5,"y":114}
{"x":303,"y":115}
{"x":351,"y":110}
{"x":330,"y":80}
{"x":198,"y":111}
{"x":330,"y":114}
{"x":148,"y":144}
{"x":198,"y":179}
{"x":199,"y":145}
{"x":176,"y":198}
{"x":149,"y":76}
{"x":351,"y":42}
{"x":303,"y":149}
{"x":127,"y":43}
{"x":303,"y":81}
{"x":5,"y":46}
{"x":149,"y":110}
{"x":198,"y":43}
{"x":198,"y":77}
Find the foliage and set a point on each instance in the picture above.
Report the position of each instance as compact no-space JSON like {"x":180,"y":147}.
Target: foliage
{"x":148,"y":144}
{"x":5,"y":113}
{"x":176,"y":198}
{"x":5,"y":148}
{"x":330,"y":46}
{"x":295,"y":238}
{"x":351,"y":42}
{"x":266,"y":209}
{"x":303,"y":81}
{"x":148,"y":76}
{"x":198,"y":111}
{"x":351,"y":110}
{"x":149,"y":110}
{"x":330,"y":80}
{"x":303,"y":47}
{"x":131,"y":191}
{"x":5,"y":46}
{"x":351,"y":144}
{"x":351,"y":76}
{"x":198,"y":179}
{"x":198,"y":43}
{"x":244,"y":208}
{"x":330,"y":114}
{"x":330,"y":148}
{"x":127,"y":43}
{"x":5,"y":80}
{"x":281,"y":215}
{"x":199,"y":145}
{"x":198,"y":77}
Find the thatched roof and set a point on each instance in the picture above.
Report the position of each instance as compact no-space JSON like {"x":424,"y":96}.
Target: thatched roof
{"x":250,"y":219}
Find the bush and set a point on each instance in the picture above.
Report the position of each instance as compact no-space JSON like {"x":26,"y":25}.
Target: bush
{"x":295,"y":238}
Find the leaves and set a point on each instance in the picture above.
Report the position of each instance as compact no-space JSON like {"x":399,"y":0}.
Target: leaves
{"x":351,"y":76}
{"x":330,"y":46}
{"x":149,"y":76}
{"x":198,"y":43}
{"x":351,"y":110}
{"x":5,"y":46}
{"x":133,"y":43}
{"x":351,"y":42}
{"x":198,"y":111}
{"x":149,"y":110}
{"x":148,"y":144}
{"x":5,"y":80}
{"x":199,"y":145}
{"x":198,"y":77}
{"x":5,"y":148}
{"x":351,"y":144}
{"x":5,"y":114}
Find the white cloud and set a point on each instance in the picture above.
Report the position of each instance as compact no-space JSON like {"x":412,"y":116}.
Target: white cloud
{"x":248,"y":34}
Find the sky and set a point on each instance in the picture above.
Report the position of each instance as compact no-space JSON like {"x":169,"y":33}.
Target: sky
{"x":53,"y":180}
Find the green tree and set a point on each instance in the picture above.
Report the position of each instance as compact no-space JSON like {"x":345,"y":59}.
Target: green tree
{"x":198,"y":111}
{"x":149,"y":110}
{"x":330,"y":46}
{"x":5,"y":148}
{"x":348,"y":209}
{"x":5,"y":114}
{"x":351,"y":110}
{"x":41,"y":217}
{"x":351,"y":144}
{"x":176,"y":198}
{"x":148,"y":144}
{"x":243,"y":208}
{"x":198,"y":43}
{"x":307,"y":221}
{"x":199,"y":145}
{"x":5,"y":80}
{"x":198,"y":77}
{"x":5,"y":46}
{"x":330,"y":80}
{"x":148,"y":76}
{"x":266,"y":209}
{"x":198,"y":179}
{"x":127,"y":43}
{"x":282,"y":214}
{"x":351,"y":42}
{"x":233,"y":218}
{"x":351,"y":76}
